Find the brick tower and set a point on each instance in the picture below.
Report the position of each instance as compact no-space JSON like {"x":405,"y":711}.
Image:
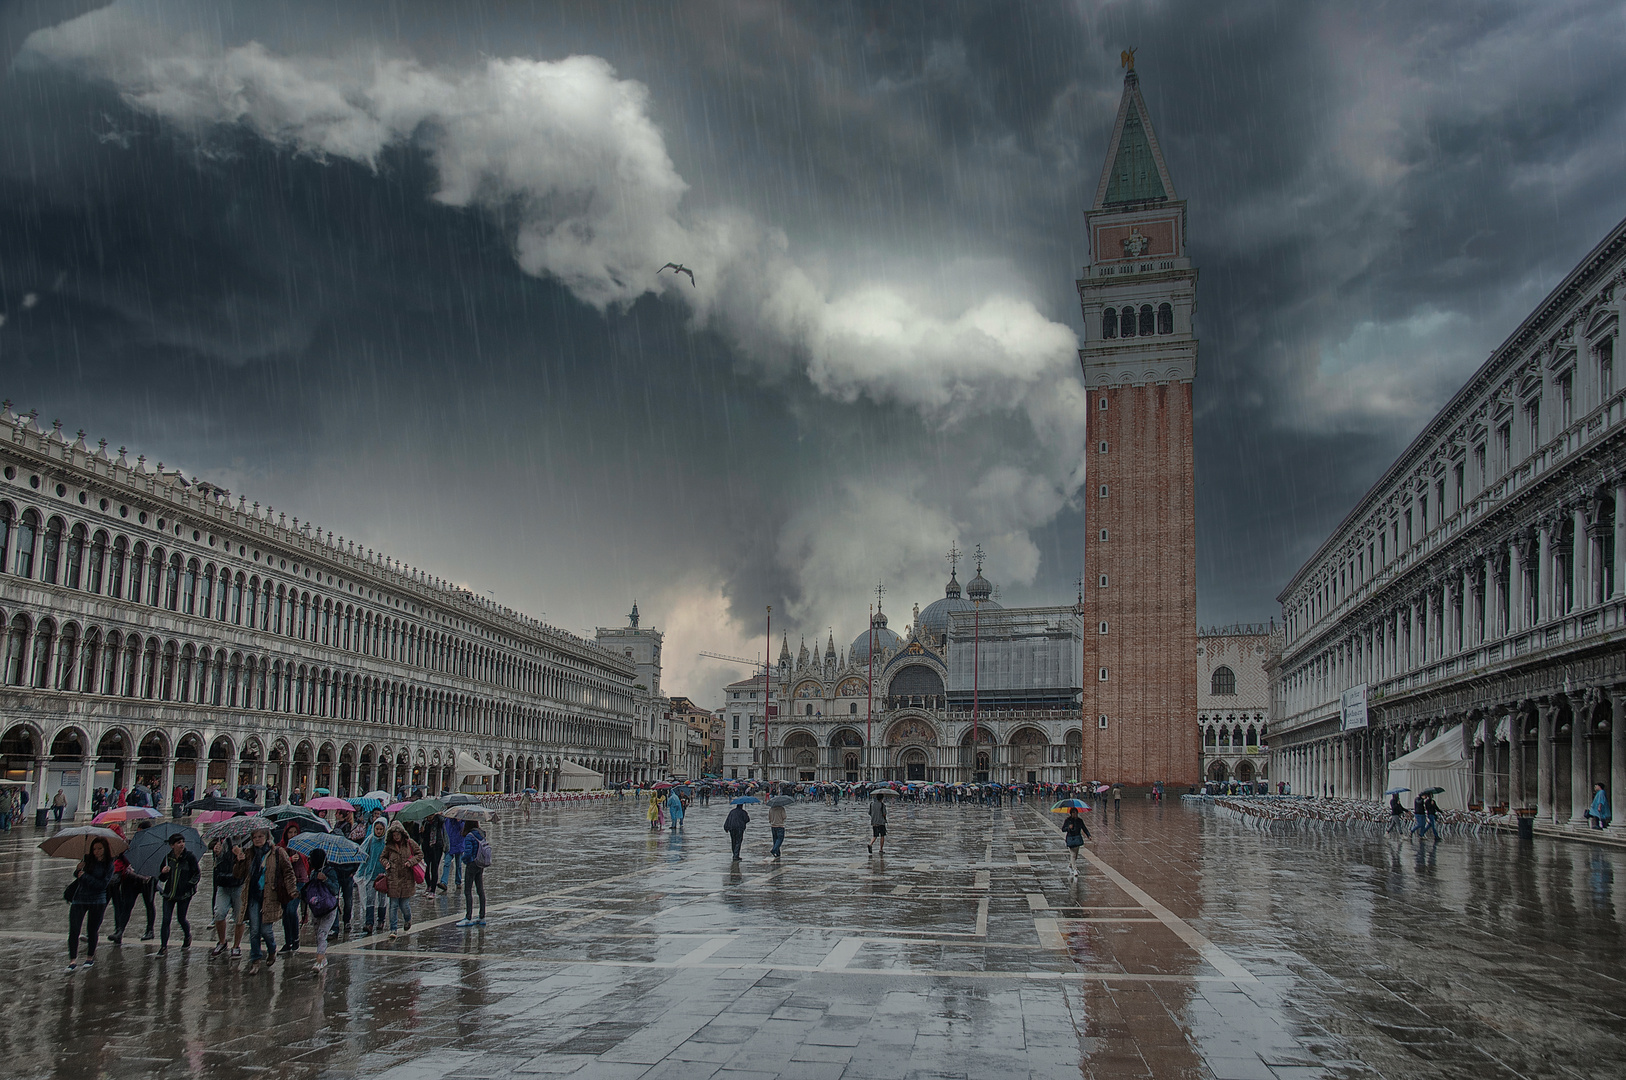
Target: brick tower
{"x":1140,"y":552}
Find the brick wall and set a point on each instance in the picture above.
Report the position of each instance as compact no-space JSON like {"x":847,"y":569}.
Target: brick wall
{"x":1150,"y":600}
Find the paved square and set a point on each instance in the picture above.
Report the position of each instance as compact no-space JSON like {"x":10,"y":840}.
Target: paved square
{"x":1192,"y":945}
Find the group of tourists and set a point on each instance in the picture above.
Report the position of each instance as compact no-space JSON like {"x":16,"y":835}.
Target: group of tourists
{"x":263,"y":879}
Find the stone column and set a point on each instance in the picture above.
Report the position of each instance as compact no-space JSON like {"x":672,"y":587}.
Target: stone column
{"x":1580,"y":562}
{"x":37,"y":799}
{"x":200,"y":779}
{"x":1580,"y":784}
{"x":1487,"y":725}
{"x":1471,"y":607}
{"x":1617,"y":738}
{"x":1544,"y":575}
{"x":1448,"y":611}
{"x":1544,"y":761}
{"x":166,"y":787}
{"x":1516,"y":721}
{"x":1515,"y":588}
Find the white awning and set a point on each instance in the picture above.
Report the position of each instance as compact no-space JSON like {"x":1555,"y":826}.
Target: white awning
{"x":574,"y":777}
{"x":468,"y":765}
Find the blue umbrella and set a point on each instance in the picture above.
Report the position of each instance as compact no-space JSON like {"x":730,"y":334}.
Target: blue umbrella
{"x":1396,"y":790}
{"x":366,"y":806}
{"x":743,"y":799}
{"x":339,"y":850}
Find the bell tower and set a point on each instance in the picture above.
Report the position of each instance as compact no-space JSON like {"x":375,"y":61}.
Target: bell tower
{"x":1139,"y":357}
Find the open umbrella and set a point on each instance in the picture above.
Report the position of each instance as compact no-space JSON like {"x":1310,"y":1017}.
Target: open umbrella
{"x":1434,"y":791}
{"x":529,"y":791}
{"x":150,"y":847}
{"x":461,"y":798}
{"x":423,"y":808}
{"x":744,"y":799}
{"x":339,"y":850}
{"x":239,"y":828}
{"x":125,"y":813}
{"x":384,"y":798}
{"x":287,"y":810}
{"x":328,"y":802}
{"x":884,"y":792}
{"x":396,"y":807}
{"x":222,"y":802}
{"x":662,"y":786}
{"x":1397,"y":791}
{"x":468,"y":813}
{"x":1067,"y":805}
{"x":1102,"y":789}
{"x":74,"y":843}
{"x":305,"y":824}
{"x":781,"y":800}
{"x":321,"y":791}
{"x":366,"y":806}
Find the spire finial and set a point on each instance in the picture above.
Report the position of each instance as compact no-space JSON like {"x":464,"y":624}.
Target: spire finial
{"x":1127,"y":59}
{"x":953,"y":557}
{"x":880,"y":591}
{"x":979,"y":556}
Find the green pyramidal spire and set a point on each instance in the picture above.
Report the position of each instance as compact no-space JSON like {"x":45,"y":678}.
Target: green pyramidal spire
{"x":1134,"y":173}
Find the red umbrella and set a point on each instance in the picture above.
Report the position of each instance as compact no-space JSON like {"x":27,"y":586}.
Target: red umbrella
{"x":125,"y":813}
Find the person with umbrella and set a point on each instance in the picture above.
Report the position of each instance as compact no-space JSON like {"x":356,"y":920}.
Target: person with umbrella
{"x":87,"y":898}
{"x":877,"y":823}
{"x":230,"y":868}
{"x":434,"y":851}
{"x":776,"y":820}
{"x":323,"y":899}
{"x":1397,"y":812}
{"x":1073,"y":829}
{"x":1432,"y":808}
{"x":373,"y":900}
{"x":454,"y":855}
{"x":674,"y":808}
{"x":179,"y":877}
{"x":400,"y":856}
{"x":736,"y":821}
{"x":270,"y":889}
{"x":132,"y":886}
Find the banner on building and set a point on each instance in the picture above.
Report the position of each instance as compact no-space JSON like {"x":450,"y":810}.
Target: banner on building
{"x":1354,"y":707}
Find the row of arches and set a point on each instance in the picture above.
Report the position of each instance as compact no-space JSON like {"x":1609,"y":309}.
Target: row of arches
{"x":910,"y":750}
{"x":108,"y":662}
{"x":49,"y":549}
{"x":1145,"y":322}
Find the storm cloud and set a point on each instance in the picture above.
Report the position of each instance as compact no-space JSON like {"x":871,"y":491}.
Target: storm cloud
{"x":397,"y":273}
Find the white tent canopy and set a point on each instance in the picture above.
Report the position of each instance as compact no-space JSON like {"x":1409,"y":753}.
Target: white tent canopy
{"x":469,"y":768}
{"x":1437,"y":763}
{"x":574,"y":777}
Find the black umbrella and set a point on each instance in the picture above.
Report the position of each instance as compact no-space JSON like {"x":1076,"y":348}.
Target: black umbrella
{"x":223,"y":802}
{"x":150,"y":847}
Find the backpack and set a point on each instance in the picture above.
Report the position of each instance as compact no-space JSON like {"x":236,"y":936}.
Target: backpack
{"x":321,"y":898}
{"x":482,"y":854}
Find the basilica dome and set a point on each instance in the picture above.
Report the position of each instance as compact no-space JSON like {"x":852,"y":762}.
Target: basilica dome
{"x":884,"y":640}
{"x":934,"y":619}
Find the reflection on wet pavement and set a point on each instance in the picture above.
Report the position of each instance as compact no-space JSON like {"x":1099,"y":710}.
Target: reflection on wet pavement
{"x":1191,"y":945}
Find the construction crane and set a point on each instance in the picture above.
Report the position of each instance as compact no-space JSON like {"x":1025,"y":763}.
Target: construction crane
{"x":732,"y":659}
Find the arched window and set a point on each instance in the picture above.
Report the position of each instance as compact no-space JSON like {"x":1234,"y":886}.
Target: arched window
{"x":183,"y":679}
{"x":237,"y":600}
{"x":40,"y":673}
{"x":98,"y":559}
{"x":115,"y":570}
{"x":251,"y":599}
{"x":1109,"y":322}
{"x":89,"y":656}
{"x":189,"y":588}
{"x":1126,"y":323}
{"x":16,"y":648}
{"x":53,"y":551}
{"x":149,"y":668}
{"x":1223,"y":682}
{"x":26,"y":533}
{"x":1146,"y":320}
{"x":1165,"y":318}
{"x":166,"y":681}
{"x":76,"y":557}
{"x":155,"y":577}
{"x":172,"y":583}
{"x":7,"y":518}
{"x":223,"y":594}
{"x":206,"y":602}
{"x":110,"y":664}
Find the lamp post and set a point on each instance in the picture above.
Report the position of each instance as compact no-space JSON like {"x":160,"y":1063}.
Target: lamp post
{"x":767,"y":692}
{"x":869,"y":680}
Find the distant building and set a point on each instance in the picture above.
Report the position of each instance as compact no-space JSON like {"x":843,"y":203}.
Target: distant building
{"x":690,"y":737}
{"x":744,"y":707}
{"x":652,"y":736}
{"x":1233,"y":702}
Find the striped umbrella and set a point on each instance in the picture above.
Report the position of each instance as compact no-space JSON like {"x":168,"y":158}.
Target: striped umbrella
{"x":339,"y":850}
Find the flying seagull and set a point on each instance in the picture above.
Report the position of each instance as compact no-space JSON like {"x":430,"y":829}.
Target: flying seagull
{"x":679,"y":268}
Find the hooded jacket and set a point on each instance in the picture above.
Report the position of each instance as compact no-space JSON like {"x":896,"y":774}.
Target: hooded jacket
{"x":737,"y":820}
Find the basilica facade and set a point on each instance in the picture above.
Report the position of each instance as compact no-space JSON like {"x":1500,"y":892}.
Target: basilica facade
{"x":968,"y":691}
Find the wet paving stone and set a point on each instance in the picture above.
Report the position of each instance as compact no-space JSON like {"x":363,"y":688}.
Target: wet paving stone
{"x":1191,"y":945}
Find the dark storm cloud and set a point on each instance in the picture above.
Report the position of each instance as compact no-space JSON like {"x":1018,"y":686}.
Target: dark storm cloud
{"x":1377,"y":195}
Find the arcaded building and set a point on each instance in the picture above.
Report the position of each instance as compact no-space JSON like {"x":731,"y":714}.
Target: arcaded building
{"x":1139,"y":357}
{"x":1478,"y":589}
{"x":1233,"y":702}
{"x":158,"y":629}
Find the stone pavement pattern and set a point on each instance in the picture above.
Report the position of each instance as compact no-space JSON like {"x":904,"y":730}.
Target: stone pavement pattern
{"x":1192,"y":945}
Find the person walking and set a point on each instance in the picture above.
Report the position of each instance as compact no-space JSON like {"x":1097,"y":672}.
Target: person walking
{"x":1599,"y":812}
{"x":877,"y":823}
{"x":322,"y":897}
{"x":231,"y":867}
{"x":1397,"y":813}
{"x":87,"y":901}
{"x":1117,"y":798}
{"x":400,"y":856}
{"x":1419,"y":816}
{"x":1431,"y":813}
{"x":293,"y":917}
{"x":674,"y":809}
{"x":474,"y":857}
{"x":776,"y":826}
{"x":373,"y":900}
{"x":434,"y":851}
{"x":656,"y":812}
{"x":59,"y":803}
{"x":179,"y":877}
{"x":734,"y":825}
{"x":454,"y":854}
{"x":1074,"y":829}
{"x":269,"y":889}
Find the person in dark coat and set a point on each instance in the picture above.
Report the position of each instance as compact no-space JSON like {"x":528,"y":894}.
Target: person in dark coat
{"x":434,"y":851}
{"x":178,"y":879}
{"x":734,"y":825}
{"x":87,"y":901}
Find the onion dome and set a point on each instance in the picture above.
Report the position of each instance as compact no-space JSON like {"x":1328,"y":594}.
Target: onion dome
{"x":935,"y":618}
{"x":978,"y":590}
{"x":884,"y":639}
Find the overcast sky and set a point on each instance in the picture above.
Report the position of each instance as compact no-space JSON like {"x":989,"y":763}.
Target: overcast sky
{"x":392,"y":268}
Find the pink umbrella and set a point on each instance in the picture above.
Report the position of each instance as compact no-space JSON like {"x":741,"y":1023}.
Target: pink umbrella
{"x":125,"y":813}
{"x":209,"y":817}
{"x":328,"y":802}
{"x":393,"y":807}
